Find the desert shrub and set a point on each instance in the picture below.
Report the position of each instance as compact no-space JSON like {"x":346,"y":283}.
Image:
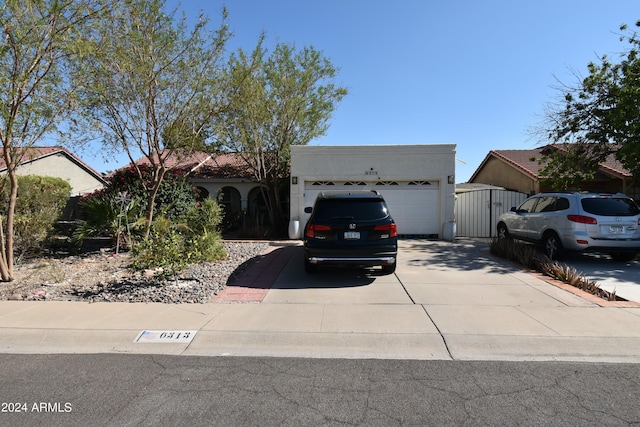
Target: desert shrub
{"x":119,"y":206}
{"x":41,"y":201}
{"x":175,"y":195}
{"x":173,"y":245}
{"x":526,"y":255}
{"x":516,"y":251}
{"x":573,"y":277}
{"x":104,"y":215}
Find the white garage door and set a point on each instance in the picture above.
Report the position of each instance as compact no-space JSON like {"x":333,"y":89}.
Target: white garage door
{"x":414,"y":205}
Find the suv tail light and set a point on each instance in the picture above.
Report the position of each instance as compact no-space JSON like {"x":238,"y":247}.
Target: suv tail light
{"x":392,"y":229}
{"x":582,"y":219}
{"x":313,"y":228}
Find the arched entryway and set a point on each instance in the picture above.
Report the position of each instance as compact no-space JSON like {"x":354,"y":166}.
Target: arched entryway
{"x":231,"y":202}
{"x":257,"y":214}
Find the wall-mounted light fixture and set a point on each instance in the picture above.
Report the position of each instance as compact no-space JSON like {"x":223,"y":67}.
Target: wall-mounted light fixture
{"x":294,"y":180}
{"x":451,"y":179}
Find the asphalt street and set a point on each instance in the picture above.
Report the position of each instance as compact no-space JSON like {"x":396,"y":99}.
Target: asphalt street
{"x":121,"y":390}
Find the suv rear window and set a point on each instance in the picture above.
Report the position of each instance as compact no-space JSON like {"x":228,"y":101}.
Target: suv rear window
{"x":362,"y":209}
{"x":610,"y":206}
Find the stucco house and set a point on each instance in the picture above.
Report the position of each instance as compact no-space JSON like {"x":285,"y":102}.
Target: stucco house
{"x":223,"y":176}
{"x":519,"y":170}
{"x":418,"y":181}
{"x":58,"y":162}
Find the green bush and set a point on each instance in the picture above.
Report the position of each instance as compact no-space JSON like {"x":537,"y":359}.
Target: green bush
{"x":104,"y":215}
{"x":175,"y":195}
{"x":105,"y":212}
{"x":173,"y":245}
{"x":41,"y":201}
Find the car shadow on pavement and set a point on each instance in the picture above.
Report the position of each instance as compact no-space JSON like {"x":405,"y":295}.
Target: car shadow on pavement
{"x":461,"y":255}
{"x":294,"y":276}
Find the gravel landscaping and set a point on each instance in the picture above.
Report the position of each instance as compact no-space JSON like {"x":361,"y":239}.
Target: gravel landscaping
{"x":103,"y":276}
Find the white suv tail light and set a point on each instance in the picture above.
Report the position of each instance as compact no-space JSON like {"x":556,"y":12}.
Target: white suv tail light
{"x":583,"y":219}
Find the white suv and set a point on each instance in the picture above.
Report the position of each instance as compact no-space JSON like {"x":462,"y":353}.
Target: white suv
{"x":573,"y":221}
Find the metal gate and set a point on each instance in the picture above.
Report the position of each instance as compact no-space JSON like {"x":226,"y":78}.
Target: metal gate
{"x":477,"y":211}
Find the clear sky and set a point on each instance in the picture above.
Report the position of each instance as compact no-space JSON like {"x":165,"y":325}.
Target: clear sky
{"x":472,"y":73}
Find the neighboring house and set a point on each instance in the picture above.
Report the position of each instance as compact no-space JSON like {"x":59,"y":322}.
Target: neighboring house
{"x":225,"y":177}
{"x":58,"y":162}
{"x":519,"y":170}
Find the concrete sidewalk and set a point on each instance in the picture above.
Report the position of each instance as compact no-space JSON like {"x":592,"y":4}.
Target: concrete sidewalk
{"x":446,"y":301}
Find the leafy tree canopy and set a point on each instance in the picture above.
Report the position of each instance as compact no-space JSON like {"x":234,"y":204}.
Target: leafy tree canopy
{"x":599,"y":117}
{"x":151,"y":84}
{"x":283,"y":98}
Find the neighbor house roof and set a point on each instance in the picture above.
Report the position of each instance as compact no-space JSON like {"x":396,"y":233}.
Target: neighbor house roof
{"x":528,"y":161}
{"x":206,"y":165}
{"x":32,"y":154}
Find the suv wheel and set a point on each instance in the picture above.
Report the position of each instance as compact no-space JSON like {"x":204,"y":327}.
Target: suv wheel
{"x":623,"y":256}
{"x":552,"y":246}
{"x":503,"y":233}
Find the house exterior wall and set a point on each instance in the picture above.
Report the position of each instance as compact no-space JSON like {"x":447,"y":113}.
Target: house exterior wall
{"x":60,"y":166}
{"x":371,"y":164}
{"x":215,"y":186}
{"x":498,"y":173}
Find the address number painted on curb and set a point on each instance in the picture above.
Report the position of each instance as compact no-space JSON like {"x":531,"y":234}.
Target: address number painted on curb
{"x":165,"y":336}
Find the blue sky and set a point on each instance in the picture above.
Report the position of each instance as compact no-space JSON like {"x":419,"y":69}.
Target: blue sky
{"x":472,"y":73}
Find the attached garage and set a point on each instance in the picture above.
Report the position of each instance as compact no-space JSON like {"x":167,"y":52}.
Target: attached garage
{"x":417,"y":181}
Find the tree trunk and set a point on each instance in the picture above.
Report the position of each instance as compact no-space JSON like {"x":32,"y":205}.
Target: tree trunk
{"x":151,"y":200}
{"x":6,"y":261}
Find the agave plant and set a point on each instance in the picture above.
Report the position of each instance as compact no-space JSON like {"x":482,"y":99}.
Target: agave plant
{"x":107,"y":216}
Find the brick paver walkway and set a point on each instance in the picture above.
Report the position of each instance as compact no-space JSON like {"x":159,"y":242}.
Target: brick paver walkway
{"x":253,"y":284}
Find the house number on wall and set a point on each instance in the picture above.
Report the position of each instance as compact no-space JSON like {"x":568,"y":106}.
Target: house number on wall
{"x":371,"y":172}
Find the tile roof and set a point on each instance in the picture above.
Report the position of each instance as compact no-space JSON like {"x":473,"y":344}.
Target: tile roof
{"x":30,"y":154}
{"x":205,"y":165}
{"x":528,"y":161}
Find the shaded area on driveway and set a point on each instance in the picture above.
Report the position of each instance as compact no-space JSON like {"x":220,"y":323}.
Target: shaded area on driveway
{"x":325,"y":277}
{"x":452,"y":257}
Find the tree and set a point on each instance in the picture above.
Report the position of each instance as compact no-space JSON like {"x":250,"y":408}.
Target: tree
{"x":288,"y":100}
{"x":152,"y":85}
{"x":599,"y":117}
{"x":35,"y":92}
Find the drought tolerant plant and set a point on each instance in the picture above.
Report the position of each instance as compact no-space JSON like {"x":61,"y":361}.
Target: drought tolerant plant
{"x":526,"y":255}
{"x":40,"y":202}
{"x":173,"y":245}
{"x":512,"y":250}
{"x":571,"y":276}
{"x":175,"y":195}
{"x":118,"y":209}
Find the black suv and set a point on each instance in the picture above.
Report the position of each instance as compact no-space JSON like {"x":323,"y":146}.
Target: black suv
{"x":350,"y":228}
